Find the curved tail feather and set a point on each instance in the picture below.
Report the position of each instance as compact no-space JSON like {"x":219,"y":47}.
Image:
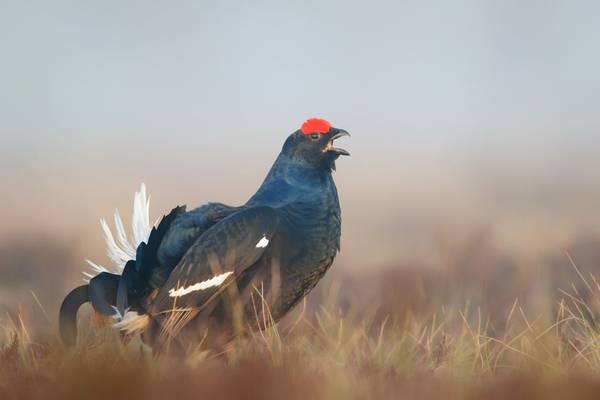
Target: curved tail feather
{"x":68,"y":314}
{"x":103,"y":292}
{"x":121,"y":296}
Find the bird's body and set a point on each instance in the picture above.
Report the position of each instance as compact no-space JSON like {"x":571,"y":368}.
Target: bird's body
{"x":216,"y":270}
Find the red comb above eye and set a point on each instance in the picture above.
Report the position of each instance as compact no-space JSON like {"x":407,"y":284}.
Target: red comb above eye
{"x":315,"y":125}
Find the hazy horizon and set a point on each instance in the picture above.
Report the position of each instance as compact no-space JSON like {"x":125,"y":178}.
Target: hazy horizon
{"x":473,"y":116}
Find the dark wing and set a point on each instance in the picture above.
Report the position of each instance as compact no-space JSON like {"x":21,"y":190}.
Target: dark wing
{"x":220,"y":255}
{"x":166,"y":244}
{"x":188,"y":227}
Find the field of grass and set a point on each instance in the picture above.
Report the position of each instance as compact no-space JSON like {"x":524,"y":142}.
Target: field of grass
{"x":330,"y":351}
{"x":483,"y":326}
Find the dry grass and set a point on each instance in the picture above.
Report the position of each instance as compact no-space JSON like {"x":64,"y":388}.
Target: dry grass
{"x":326,"y":353}
{"x":483,"y":327}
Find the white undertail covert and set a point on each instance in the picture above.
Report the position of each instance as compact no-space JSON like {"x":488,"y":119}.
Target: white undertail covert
{"x":120,"y":247}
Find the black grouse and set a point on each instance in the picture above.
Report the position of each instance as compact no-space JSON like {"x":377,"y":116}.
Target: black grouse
{"x":211,"y":273}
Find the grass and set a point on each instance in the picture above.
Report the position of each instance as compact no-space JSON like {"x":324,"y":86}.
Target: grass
{"x":451,"y":352}
{"x":480,"y":327}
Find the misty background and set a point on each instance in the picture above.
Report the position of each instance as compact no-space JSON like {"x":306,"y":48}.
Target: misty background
{"x":471,"y":121}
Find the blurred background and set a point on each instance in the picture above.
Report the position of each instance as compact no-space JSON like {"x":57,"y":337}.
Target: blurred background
{"x":474,"y":169}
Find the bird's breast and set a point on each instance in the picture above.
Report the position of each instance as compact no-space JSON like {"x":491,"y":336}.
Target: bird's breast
{"x":307,"y":238}
{"x":309,"y":244}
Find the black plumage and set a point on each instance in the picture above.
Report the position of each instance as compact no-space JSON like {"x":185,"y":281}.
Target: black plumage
{"x":218,"y":269}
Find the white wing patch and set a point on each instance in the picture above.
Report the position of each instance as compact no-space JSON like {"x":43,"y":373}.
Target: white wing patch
{"x":214,"y":281}
{"x":262,"y":242}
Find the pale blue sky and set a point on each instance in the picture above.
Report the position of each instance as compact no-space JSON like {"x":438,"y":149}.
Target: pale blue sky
{"x":195,"y":98}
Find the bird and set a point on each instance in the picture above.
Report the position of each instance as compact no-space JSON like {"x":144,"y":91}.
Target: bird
{"x":217,"y":271}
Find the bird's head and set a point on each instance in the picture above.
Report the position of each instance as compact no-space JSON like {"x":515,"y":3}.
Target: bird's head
{"x":313,"y":144}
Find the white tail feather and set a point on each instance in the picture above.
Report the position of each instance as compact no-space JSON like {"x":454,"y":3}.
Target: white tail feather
{"x":117,"y":255}
{"x":122,"y":236}
{"x":96,"y":268}
{"x":141,"y":216}
{"x":122,"y":250}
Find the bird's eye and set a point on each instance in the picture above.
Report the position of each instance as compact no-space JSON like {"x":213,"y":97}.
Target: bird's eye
{"x":315,"y":136}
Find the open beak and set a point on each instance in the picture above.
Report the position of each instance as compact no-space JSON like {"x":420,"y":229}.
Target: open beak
{"x":338,"y":134}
